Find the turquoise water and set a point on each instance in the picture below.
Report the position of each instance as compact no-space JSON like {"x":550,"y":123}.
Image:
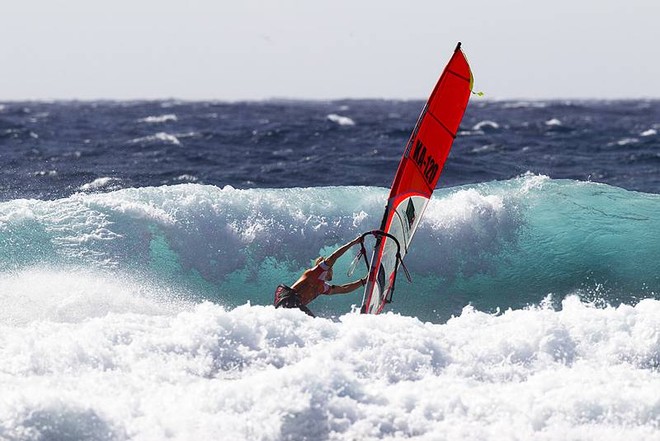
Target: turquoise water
{"x":494,"y":245}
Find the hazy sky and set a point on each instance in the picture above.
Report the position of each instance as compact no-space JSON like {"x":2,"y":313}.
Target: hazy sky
{"x":253,"y":49}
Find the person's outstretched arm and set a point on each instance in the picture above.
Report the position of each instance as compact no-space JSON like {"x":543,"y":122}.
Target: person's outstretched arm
{"x":341,"y":250}
{"x":349,"y":287}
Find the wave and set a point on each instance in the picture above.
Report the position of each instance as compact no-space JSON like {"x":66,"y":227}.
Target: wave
{"x":341,"y":120}
{"x":497,"y":245}
{"x":104,"y":183}
{"x":159,"y":118}
{"x":160,"y":137}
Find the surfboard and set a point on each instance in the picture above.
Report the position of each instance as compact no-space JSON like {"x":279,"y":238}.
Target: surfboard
{"x":416,"y":178}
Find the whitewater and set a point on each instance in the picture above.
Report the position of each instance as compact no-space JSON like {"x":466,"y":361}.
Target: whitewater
{"x":146,"y":313}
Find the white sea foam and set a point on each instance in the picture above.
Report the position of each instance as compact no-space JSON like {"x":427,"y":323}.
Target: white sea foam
{"x":104,"y":183}
{"x":483,"y":148}
{"x":649,"y":132}
{"x":158,"y":137}
{"x":486,"y":125}
{"x":341,"y":120}
{"x":524,"y":105}
{"x":627,"y":141}
{"x":258,"y":373}
{"x":481,"y":223}
{"x":50,"y":173}
{"x":74,"y":295}
{"x":186,"y":178}
{"x":159,"y":118}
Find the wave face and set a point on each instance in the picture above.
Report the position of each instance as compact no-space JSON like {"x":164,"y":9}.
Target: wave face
{"x":494,"y":245}
{"x":142,"y":314}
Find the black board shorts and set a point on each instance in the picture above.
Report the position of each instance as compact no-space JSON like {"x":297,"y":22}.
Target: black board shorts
{"x":286,"y":297}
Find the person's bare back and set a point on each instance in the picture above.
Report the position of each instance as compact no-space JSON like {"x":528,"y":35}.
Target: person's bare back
{"x":314,"y":282}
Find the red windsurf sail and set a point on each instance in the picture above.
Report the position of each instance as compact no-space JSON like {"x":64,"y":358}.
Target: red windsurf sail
{"x":416,"y":178}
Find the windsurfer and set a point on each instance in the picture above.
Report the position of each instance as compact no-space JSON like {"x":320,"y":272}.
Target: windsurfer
{"x":314,"y":282}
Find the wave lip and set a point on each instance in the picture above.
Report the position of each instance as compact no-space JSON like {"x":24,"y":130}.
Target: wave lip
{"x":160,"y":137}
{"x":341,"y":120}
{"x":159,"y":118}
{"x":104,"y":183}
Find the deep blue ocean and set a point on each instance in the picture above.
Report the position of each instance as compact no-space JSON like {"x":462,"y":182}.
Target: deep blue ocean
{"x":140,"y":244}
{"x":50,"y":150}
